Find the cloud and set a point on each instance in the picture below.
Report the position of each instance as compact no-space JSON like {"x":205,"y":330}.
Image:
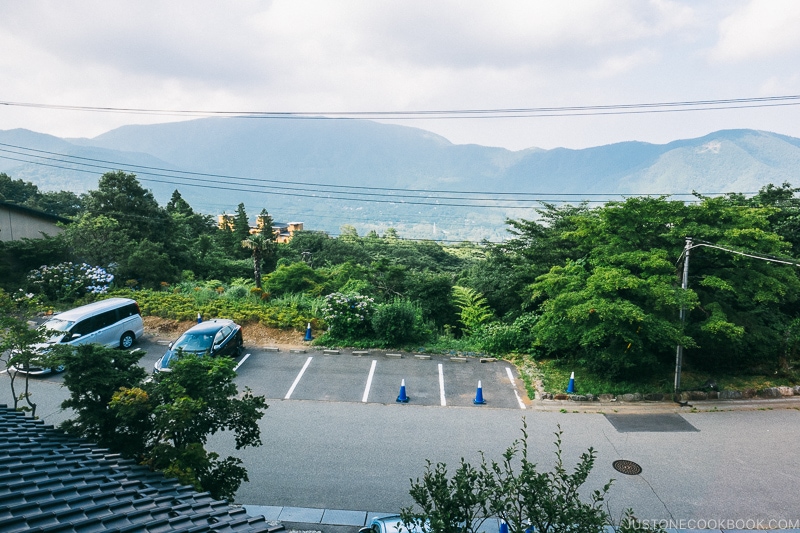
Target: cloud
{"x":759,"y":29}
{"x":358,"y":55}
{"x":460,"y":34}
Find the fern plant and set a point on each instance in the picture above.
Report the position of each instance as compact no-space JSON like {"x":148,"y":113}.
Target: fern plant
{"x":473,"y":308}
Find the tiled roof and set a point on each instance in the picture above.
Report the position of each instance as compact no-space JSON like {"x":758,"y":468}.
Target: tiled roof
{"x":52,"y":482}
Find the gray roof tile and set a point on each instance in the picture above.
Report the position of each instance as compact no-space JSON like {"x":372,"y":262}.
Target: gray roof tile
{"x":52,"y":482}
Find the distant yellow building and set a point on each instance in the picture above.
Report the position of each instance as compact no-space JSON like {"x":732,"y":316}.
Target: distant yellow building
{"x":225,"y":222}
{"x":283,"y":232}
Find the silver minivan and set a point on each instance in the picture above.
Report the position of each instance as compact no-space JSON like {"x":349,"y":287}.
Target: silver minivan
{"x":112,"y":322}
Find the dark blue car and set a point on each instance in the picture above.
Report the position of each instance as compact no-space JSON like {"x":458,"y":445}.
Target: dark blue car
{"x":215,"y":337}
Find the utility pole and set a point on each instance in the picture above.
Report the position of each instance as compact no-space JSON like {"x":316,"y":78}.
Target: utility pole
{"x":684,"y":286}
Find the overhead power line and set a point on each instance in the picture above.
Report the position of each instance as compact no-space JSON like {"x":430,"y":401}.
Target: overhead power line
{"x":117,"y":164}
{"x":522,"y":112}
{"x":354,"y":193}
{"x":211,"y":184}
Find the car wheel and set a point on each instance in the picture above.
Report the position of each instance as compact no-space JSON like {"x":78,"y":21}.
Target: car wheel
{"x":126,"y":341}
{"x":239,"y":348}
{"x":58,"y":369}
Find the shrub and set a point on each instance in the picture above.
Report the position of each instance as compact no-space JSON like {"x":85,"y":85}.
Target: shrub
{"x":500,"y":339}
{"x":347,"y":315}
{"x":70,"y":280}
{"x":292,"y":279}
{"x":398,"y":322}
{"x":186,"y":307}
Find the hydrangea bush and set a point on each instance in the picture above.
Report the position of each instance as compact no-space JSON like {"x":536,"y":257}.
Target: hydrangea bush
{"x":70,"y":280}
{"x":348,"y":315}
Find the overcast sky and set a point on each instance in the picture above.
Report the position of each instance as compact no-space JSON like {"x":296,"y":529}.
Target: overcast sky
{"x":297,"y":55}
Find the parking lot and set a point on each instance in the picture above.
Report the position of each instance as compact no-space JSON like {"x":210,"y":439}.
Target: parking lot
{"x":369,"y":377}
{"x":372,"y":377}
{"x":376,"y":378}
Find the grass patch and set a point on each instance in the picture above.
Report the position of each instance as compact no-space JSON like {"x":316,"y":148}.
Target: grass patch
{"x":555,"y":379}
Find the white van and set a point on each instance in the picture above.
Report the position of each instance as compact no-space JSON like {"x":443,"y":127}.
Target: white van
{"x":112,"y":322}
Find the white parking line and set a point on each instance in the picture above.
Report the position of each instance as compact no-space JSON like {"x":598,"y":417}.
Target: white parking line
{"x":369,"y":380}
{"x":240,"y":362}
{"x":514,"y":385}
{"x":441,"y":386}
{"x":297,"y":379}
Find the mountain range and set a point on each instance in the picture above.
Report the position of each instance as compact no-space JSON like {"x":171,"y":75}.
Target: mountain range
{"x":329,"y":173}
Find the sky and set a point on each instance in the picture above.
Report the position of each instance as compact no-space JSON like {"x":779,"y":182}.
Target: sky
{"x":410,"y":55}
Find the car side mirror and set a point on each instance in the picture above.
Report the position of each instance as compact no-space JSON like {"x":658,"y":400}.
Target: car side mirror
{"x":74,"y":336}
{"x":170,"y":345}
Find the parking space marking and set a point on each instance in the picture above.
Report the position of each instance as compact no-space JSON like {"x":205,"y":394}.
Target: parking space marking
{"x":241,"y":362}
{"x":514,"y":385}
{"x":369,"y":380}
{"x":441,"y":386}
{"x":297,"y":379}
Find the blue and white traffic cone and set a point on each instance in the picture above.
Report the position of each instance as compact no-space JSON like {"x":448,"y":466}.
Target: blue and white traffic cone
{"x":503,"y":526}
{"x":571,"y":386}
{"x":402,"y":398}
{"x":308,"y":336}
{"x":479,"y":396}
{"x":199,"y":318}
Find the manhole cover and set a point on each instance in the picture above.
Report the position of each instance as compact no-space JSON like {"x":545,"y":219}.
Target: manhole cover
{"x":627,"y":467}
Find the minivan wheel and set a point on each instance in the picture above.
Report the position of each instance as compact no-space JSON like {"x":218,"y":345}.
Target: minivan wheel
{"x":126,"y":341}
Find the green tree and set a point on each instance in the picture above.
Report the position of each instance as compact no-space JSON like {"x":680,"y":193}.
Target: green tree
{"x":94,"y":374}
{"x":615,"y":308}
{"x":17,"y":341}
{"x":241,"y":227}
{"x":164,"y":422}
{"x":62,"y":203}
{"x":259,"y":245}
{"x":16,"y":191}
{"x":266,"y":223}
{"x":97,"y":240}
{"x":513,"y":489}
{"x":148,"y":264}
{"x":196,"y":399}
{"x":121,"y":197}
{"x":432,"y":292}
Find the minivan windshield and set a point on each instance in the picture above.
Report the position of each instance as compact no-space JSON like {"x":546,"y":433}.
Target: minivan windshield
{"x":56,"y":327}
{"x":194,"y":342}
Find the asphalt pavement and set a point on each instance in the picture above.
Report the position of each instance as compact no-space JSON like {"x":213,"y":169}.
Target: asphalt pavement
{"x":326,"y":448}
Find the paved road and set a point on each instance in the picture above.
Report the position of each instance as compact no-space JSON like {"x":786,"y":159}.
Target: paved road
{"x":738,"y":465}
{"x":326,"y":448}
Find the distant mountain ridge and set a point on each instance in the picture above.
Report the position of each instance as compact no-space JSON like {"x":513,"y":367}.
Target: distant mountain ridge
{"x":358,"y":153}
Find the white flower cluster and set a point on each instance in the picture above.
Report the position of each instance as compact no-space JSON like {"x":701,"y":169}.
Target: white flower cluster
{"x":22,"y":296}
{"x":67,"y":279}
{"x":343,"y":310}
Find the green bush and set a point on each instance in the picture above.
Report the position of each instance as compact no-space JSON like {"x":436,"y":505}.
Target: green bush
{"x":398,"y":322}
{"x":185,"y":307}
{"x":293,"y":279}
{"x":499,"y":339}
{"x":348,"y":315}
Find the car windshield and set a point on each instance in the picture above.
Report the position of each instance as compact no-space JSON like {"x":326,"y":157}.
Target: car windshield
{"x":55,"y":328}
{"x":194,"y":342}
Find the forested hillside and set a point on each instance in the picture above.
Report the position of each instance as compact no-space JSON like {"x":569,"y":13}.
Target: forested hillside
{"x":374,"y":176}
{"x":581,"y":287}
